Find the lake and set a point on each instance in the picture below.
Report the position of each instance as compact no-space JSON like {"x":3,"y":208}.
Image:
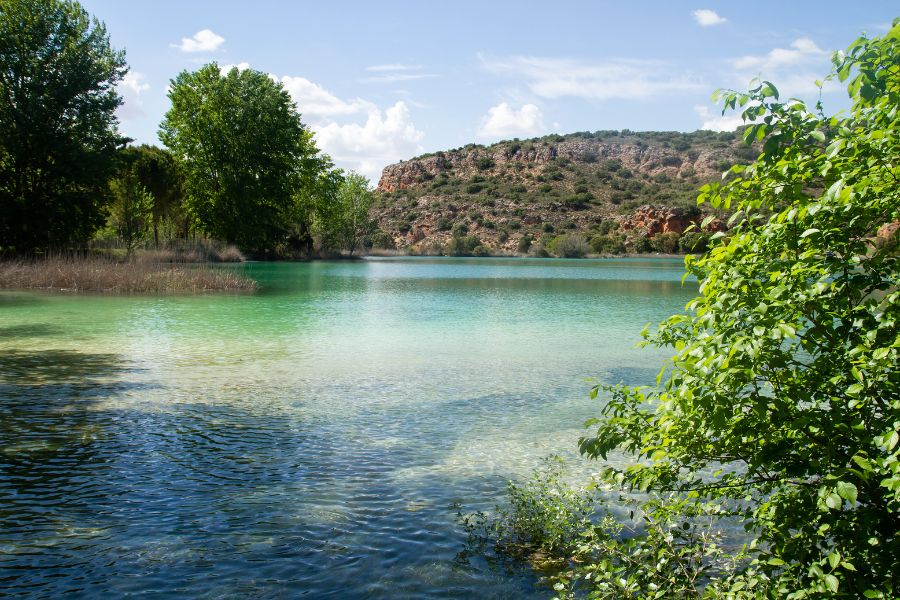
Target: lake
{"x":307,"y":440}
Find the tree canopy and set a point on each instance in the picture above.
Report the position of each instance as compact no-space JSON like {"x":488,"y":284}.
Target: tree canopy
{"x":58,"y":129}
{"x":244,"y":152}
{"x":156,"y":170}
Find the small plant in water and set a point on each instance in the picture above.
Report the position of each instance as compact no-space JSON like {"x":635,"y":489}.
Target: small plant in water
{"x":568,"y":535}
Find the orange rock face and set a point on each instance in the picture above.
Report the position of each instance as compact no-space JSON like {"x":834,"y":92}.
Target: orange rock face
{"x":888,"y":230}
{"x":652,"y":220}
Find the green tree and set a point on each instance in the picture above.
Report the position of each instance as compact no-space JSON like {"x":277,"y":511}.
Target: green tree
{"x":58,"y":131}
{"x":354,"y":200}
{"x":244,"y":152}
{"x":131,"y":211}
{"x":316,"y":212}
{"x":157,"y":170}
{"x":781,"y":406}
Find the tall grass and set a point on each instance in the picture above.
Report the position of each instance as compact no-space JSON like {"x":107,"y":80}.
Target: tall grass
{"x":86,"y":273}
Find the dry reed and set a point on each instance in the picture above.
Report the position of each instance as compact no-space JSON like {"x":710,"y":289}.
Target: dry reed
{"x":77,"y":273}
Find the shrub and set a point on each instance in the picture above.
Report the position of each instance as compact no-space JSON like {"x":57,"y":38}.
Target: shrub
{"x":459,"y":230}
{"x":608,"y":244}
{"x":666,"y":243}
{"x":607,"y":227}
{"x":568,"y":246}
{"x":383,"y":240}
{"x":639,"y":244}
{"x":484,"y":163}
{"x":694,"y":241}
{"x":524,"y":244}
{"x":576,"y":201}
{"x":231,"y":253}
{"x":443,"y":224}
{"x":464,"y":246}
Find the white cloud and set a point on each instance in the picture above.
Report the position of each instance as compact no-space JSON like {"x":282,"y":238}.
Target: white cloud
{"x":131,"y":87}
{"x":356,"y":133}
{"x":204,"y":40}
{"x":385,"y":137}
{"x":133,"y":83}
{"x":316,"y":103}
{"x":802,"y":50}
{"x":708,"y":18}
{"x":611,"y":79}
{"x":395,"y":77}
{"x":394,"y":67}
{"x":794,"y":69}
{"x":716,"y":122}
{"x":503,"y":121}
{"x":395,"y":72}
{"x":241,"y":66}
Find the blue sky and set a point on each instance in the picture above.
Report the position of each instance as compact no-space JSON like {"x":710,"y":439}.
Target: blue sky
{"x":380,"y":82}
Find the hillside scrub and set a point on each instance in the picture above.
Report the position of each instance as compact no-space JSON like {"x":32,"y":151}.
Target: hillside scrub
{"x":643,"y":182}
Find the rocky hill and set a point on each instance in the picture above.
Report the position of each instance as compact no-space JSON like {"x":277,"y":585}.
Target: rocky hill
{"x":615,"y":190}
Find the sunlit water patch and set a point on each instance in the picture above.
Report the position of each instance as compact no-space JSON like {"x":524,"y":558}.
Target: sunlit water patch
{"x":306,"y":440}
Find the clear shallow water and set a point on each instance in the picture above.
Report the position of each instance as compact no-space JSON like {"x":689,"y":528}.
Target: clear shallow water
{"x":306,"y":440}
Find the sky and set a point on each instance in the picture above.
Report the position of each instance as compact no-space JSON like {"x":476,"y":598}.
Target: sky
{"x":380,"y":82}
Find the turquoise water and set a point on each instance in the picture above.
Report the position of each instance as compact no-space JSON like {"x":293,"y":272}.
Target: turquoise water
{"x":309,"y":439}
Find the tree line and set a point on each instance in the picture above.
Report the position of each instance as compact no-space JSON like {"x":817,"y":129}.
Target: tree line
{"x":238,"y":165}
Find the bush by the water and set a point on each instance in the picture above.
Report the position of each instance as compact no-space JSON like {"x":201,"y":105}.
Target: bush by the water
{"x":469,"y":245}
{"x":569,"y":245}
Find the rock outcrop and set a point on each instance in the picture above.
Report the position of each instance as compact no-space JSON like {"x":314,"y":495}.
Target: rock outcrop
{"x":631,"y":185}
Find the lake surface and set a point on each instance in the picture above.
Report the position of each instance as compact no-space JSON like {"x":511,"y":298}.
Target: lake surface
{"x":308,"y":440}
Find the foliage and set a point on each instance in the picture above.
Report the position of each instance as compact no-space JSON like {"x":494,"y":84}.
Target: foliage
{"x":131,"y":210}
{"x":157,"y":170}
{"x":608,"y":244}
{"x":694,"y":241}
{"x":382,"y":240}
{"x":570,"y":534}
{"x":638,"y":244}
{"x":245,"y":155}
{"x":781,"y":406}
{"x":569,"y":245}
{"x":58,"y":133}
{"x":524,"y":244}
{"x":347,"y":222}
{"x":468,"y":245}
{"x":667,"y":242}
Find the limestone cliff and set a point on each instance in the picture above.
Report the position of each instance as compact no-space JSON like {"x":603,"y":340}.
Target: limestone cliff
{"x":634,"y":185}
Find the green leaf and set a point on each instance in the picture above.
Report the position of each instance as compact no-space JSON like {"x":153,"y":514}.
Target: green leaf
{"x":831,"y":582}
{"x":833,"y":501}
{"x":863,"y":463}
{"x":847,"y":491}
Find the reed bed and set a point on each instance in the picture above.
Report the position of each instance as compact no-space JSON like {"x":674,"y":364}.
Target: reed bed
{"x":79,"y":273}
